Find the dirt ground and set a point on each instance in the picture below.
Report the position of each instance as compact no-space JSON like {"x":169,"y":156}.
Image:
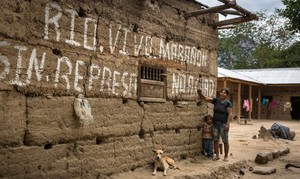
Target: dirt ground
{"x":243,"y":150}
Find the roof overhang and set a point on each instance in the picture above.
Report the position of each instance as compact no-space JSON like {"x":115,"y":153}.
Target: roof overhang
{"x":234,"y":80}
{"x":229,"y":8}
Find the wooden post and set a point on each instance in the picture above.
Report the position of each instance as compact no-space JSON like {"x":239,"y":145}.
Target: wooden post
{"x":239,"y":103}
{"x":259,"y":103}
{"x":250,"y":102}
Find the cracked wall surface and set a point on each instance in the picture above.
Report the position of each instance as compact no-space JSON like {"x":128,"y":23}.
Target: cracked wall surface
{"x":51,"y":51}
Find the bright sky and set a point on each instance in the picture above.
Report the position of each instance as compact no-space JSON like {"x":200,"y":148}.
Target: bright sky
{"x":250,"y":5}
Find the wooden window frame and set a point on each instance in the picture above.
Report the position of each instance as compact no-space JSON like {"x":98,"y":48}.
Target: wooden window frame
{"x":153,"y":76}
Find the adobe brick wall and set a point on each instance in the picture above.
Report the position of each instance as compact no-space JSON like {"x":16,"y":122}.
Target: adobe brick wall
{"x":51,"y":51}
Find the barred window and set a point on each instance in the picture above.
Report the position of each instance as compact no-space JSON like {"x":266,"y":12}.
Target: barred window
{"x":152,"y":84}
{"x":152,"y":73}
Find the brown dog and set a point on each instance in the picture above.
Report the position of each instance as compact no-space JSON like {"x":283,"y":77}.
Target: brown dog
{"x":163,"y":163}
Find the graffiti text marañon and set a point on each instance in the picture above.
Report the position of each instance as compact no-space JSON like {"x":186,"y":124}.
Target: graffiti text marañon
{"x":119,"y":40}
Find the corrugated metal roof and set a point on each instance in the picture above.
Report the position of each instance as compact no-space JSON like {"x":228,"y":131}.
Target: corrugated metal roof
{"x":222,"y":72}
{"x":273,"y":75}
{"x":264,"y":76}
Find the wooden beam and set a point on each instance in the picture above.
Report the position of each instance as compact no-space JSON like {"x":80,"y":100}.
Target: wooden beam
{"x":234,"y":21}
{"x":231,"y":12}
{"x":209,"y":10}
{"x":226,"y":27}
{"x":242,"y":10}
{"x":281,"y":85}
{"x":238,"y":81}
{"x":226,"y":1}
{"x":245,"y":15}
{"x":237,"y":7}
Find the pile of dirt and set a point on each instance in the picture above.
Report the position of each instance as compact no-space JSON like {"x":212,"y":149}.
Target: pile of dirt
{"x":265,"y":134}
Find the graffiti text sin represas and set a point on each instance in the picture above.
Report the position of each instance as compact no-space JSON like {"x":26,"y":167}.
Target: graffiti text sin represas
{"x":109,"y":79}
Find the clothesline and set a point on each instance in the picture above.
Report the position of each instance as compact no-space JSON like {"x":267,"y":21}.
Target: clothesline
{"x":286,"y":105}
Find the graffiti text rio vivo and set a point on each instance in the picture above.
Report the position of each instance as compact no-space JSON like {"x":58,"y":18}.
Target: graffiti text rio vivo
{"x":115,"y":82}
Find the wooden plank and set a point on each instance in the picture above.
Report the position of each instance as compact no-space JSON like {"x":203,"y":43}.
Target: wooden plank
{"x":139,"y":81}
{"x":151,"y":90}
{"x":152,"y":82}
{"x":147,"y":99}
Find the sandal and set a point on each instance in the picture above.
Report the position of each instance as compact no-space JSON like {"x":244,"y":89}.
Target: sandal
{"x":225,"y":159}
{"x":216,"y":158}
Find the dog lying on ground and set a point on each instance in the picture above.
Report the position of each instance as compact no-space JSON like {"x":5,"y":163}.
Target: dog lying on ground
{"x":163,"y":163}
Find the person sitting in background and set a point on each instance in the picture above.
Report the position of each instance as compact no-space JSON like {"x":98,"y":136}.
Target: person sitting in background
{"x":281,"y":131}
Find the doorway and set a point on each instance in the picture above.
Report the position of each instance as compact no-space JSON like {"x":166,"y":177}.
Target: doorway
{"x":295,"y":113}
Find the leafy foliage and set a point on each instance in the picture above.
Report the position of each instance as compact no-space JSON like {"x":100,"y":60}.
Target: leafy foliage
{"x":291,"y":56}
{"x":257,"y":44}
{"x":292,"y":12}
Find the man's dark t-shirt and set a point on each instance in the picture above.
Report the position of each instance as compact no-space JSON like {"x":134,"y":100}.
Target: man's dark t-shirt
{"x":220,"y":110}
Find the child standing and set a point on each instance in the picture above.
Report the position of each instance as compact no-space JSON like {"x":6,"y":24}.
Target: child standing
{"x":207,"y":137}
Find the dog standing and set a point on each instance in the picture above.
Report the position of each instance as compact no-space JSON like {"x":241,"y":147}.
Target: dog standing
{"x":163,"y":163}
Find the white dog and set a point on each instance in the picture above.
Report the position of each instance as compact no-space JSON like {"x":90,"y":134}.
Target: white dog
{"x":163,"y":163}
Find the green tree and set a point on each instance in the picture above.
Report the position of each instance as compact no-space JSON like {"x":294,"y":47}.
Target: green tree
{"x":266,"y":57}
{"x":255,"y":44}
{"x":292,"y":12}
{"x":291,"y":56}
